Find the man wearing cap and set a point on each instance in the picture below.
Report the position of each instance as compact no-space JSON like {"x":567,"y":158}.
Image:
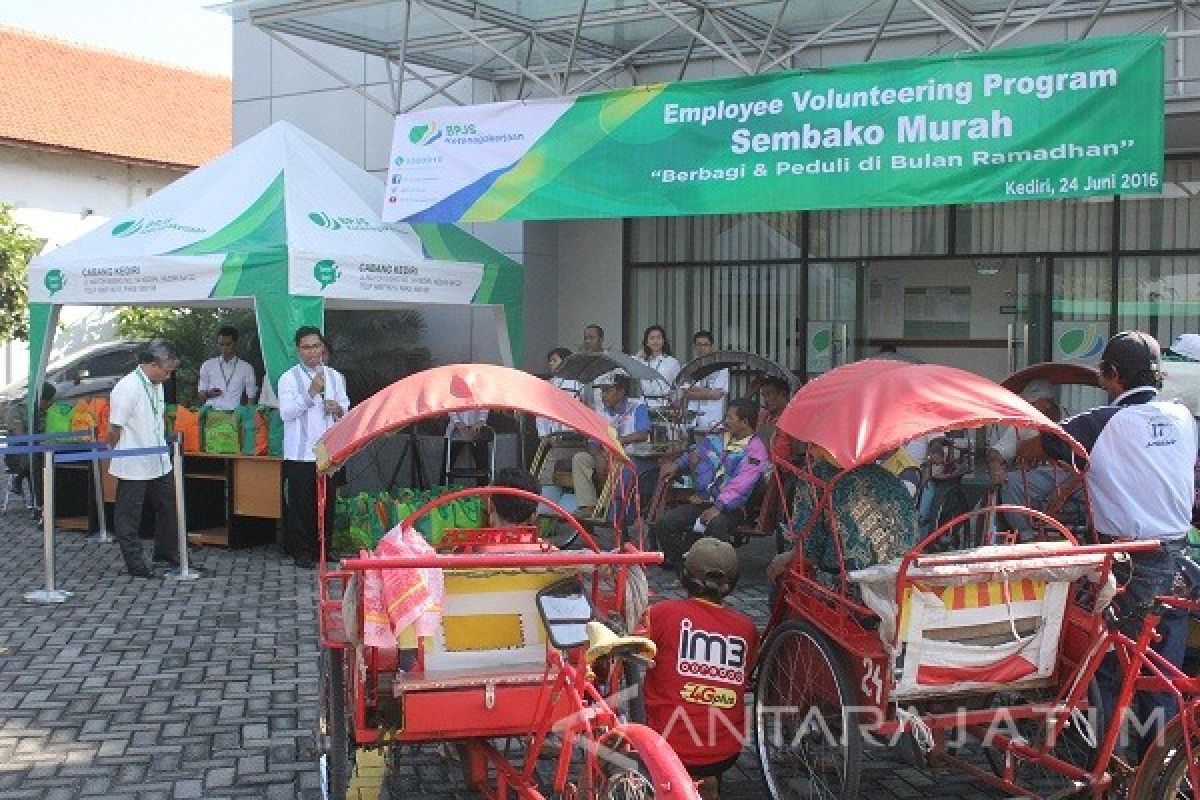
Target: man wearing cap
{"x":695,"y":691}
{"x":1142,"y":452}
{"x":628,"y":417}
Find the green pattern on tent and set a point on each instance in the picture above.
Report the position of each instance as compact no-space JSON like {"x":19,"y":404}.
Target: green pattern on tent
{"x":255,"y":265}
{"x":261,"y":227}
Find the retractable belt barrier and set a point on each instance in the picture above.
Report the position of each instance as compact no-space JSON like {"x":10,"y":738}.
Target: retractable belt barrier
{"x":95,"y":452}
{"x":61,"y":442}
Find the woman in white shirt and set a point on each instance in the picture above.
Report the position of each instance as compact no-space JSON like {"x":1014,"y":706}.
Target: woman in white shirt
{"x":656,"y":354}
{"x":554,"y":360}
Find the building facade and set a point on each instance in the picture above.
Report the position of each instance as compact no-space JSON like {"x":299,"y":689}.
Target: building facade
{"x":986,"y":287}
{"x":86,"y":133}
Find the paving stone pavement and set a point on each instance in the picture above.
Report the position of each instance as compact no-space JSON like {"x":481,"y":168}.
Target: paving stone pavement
{"x":141,"y":690}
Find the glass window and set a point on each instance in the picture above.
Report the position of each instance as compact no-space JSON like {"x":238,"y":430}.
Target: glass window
{"x":1048,"y":226}
{"x":858,"y":233}
{"x":1160,"y":295}
{"x":717,"y":237}
{"x":752,"y":307}
{"x":1169,"y":221}
{"x":660,"y":240}
{"x":1080,"y":305}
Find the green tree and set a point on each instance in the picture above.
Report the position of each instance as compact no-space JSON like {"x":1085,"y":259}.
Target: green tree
{"x":373,"y":348}
{"x":17,"y":246}
{"x":194,"y":333}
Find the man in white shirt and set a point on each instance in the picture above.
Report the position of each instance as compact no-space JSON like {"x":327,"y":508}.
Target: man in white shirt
{"x":136,"y":421}
{"x":706,"y":397}
{"x":224,"y":380}
{"x":1141,"y":485}
{"x":312,"y":396}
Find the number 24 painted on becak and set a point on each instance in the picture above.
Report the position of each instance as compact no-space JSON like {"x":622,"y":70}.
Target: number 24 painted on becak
{"x":872,"y":680}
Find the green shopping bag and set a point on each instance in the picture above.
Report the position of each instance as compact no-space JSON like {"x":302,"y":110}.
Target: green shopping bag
{"x":433,"y":526}
{"x":400,"y":506}
{"x":248,"y":425}
{"x":58,"y":417}
{"x":274,"y":433}
{"x":354,"y":533}
{"x":169,"y":421}
{"x":468,"y":512}
{"x":220,"y":432}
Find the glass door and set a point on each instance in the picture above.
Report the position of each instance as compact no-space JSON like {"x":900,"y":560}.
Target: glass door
{"x":1080,"y":310}
{"x":1025,"y":338}
{"x":833,"y":336}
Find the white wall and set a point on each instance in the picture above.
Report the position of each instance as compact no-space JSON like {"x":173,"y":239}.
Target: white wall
{"x":61,"y":196}
{"x":589,"y":281}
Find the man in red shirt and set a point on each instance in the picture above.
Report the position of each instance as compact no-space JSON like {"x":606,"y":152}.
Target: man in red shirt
{"x":695,"y":692}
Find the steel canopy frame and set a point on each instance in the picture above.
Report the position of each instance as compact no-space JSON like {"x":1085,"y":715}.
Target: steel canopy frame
{"x":583,"y":45}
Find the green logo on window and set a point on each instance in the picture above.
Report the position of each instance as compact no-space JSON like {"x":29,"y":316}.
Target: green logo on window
{"x":1084,"y":341}
{"x":821,"y":340}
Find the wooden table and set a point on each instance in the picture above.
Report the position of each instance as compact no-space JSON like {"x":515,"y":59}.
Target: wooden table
{"x":232,"y":500}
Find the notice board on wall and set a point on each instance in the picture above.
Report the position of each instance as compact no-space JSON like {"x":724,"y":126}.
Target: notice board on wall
{"x":937,"y":312}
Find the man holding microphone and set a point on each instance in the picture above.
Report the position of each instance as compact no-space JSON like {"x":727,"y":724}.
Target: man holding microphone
{"x":312,"y":396}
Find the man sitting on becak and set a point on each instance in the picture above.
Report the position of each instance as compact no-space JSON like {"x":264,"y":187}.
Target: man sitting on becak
{"x":630,"y":419}
{"x":1024,"y":483}
{"x":508,"y":511}
{"x":726,"y":472}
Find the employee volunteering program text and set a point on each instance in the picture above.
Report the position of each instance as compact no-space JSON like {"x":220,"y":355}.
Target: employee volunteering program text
{"x":916,"y":128}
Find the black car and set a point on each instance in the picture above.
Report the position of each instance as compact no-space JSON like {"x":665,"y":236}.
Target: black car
{"x":94,"y":370}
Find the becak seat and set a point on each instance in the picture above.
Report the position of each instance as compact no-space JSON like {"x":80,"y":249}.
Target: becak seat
{"x":964,"y":627}
{"x":873,"y":515}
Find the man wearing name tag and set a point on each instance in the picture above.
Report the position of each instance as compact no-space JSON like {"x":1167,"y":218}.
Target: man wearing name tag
{"x":135,"y":421}
{"x":312,"y":396}
{"x":224,"y":380}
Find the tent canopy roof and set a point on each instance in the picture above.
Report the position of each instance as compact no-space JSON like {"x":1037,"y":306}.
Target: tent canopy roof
{"x":330,"y":207}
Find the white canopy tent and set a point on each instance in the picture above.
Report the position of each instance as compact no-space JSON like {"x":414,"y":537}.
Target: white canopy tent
{"x":285,"y":225}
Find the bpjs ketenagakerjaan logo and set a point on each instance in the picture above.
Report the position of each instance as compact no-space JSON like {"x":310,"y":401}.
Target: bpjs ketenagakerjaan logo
{"x":333,"y":222}
{"x":426,"y":133}
{"x":1085,"y":340}
{"x":131,"y":227}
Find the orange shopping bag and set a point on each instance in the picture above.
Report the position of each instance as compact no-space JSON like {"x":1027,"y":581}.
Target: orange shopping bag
{"x":91,"y":412}
{"x":187,"y":424}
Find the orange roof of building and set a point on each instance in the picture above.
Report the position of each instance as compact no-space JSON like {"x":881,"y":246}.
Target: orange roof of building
{"x":73,"y":97}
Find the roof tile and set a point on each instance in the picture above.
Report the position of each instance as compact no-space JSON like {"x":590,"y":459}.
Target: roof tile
{"x":70,"y":96}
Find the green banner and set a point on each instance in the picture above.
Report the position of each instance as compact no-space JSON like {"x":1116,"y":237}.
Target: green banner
{"x":1054,"y":121}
